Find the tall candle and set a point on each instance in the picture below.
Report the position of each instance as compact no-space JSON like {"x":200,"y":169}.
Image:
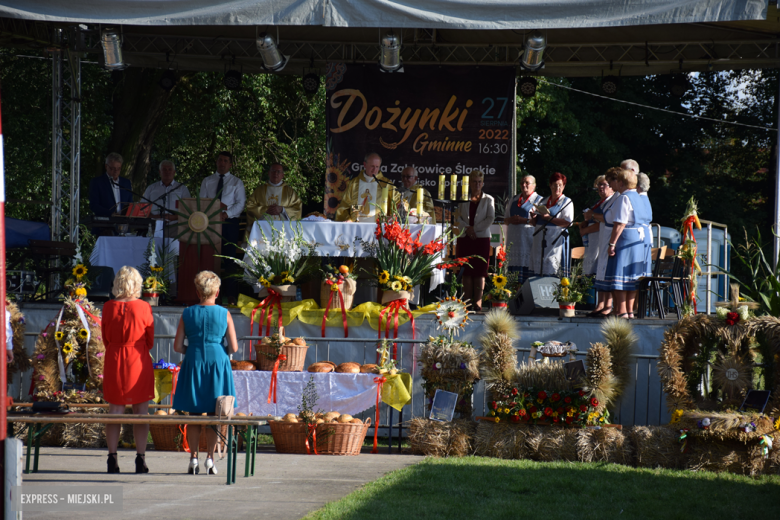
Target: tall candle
{"x":419,"y":201}
{"x":384,"y":199}
{"x":441,"y":187}
{"x":453,"y":187}
{"x":465,"y":187}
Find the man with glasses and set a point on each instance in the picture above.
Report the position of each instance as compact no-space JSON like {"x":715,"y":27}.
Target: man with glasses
{"x":409,"y":193}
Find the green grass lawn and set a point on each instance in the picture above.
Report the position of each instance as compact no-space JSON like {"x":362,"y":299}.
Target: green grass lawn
{"x":477,"y":487}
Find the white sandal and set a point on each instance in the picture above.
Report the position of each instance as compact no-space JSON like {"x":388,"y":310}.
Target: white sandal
{"x":211,"y":469}
{"x":193,"y":468}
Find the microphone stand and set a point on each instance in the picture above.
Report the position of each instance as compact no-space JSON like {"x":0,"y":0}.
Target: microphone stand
{"x":543,"y":230}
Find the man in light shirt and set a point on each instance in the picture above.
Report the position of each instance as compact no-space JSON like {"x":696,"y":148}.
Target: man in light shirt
{"x":230,"y":190}
{"x":164,"y":194}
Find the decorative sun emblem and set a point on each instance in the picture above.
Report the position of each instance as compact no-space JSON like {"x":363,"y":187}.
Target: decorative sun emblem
{"x":196,"y":225}
{"x":452,"y":314}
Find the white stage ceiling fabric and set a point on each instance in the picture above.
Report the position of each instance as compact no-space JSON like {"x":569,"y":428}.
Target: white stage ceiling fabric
{"x":424,"y":14}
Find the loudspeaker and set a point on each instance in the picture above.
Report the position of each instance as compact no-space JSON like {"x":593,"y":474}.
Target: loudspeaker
{"x":102,"y":284}
{"x":537,"y":293}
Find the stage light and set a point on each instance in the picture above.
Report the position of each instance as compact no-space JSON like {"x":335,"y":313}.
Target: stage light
{"x":679,"y":85}
{"x":167,"y":80}
{"x":609,"y":84}
{"x":390,"y":60}
{"x":527,"y":86}
{"x":311,"y":83}
{"x":232,"y":80}
{"x":112,"y":49}
{"x":534,"y":51}
{"x":272,"y":59}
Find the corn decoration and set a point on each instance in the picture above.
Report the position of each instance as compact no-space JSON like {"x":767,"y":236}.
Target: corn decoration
{"x":689,"y":249}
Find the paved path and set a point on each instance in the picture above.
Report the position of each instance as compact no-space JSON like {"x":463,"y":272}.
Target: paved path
{"x":284,"y":487}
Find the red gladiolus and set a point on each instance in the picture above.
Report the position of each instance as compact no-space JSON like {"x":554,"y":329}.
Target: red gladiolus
{"x":542,"y":395}
{"x":567,"y":399}
{"x":594,"y":402}
{"x":583,"y":408}
{"x":555,"y":398}
{"x":548,"y":411}
{"x":732,"y":318}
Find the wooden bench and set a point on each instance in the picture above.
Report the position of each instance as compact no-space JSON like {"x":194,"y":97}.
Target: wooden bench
{"x":37,"y":425}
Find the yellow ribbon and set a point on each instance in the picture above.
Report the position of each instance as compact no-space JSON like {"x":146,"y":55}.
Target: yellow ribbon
{"x":397,"y":390}
{"x":163,"y":384}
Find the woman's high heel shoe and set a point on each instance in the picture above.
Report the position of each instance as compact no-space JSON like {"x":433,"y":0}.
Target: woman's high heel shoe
{"x":193,"y":468}
{"x":210,"y":467}
{"x":140,"y":463}
{"x":113,"y":463}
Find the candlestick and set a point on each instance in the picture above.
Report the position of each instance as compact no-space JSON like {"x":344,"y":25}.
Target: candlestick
{"x":441,"y":187}
{"x":465,"y":187}
{"x":453,"y":187}
{"x":419,"y":202}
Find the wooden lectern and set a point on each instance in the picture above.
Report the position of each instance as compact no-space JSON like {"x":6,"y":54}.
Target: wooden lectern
{"x":201,"y":239}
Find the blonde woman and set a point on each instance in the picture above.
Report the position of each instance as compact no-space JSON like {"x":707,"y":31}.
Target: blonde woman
{"x":475,"y":216}
{"x":128,"y":376}
{"x":205,"y":373}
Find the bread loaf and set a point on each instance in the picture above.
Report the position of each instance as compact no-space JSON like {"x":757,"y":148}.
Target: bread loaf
{"x":345,"y":418}
{"x":299,"y":341}
{"x":369,"y":369}
{"x":290,"y":417}
{"x":320,"y":367}
{"x":243,"y":365}
{"x":348,"y":368}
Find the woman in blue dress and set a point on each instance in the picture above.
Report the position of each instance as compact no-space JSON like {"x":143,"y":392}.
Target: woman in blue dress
{"x":205,"y":373}
{"x":626,"y":247}
{"x":519,"y":233}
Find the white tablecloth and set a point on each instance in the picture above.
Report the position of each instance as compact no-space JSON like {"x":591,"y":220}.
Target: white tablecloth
{"x":117,"y":252}
{"x":339,"y":238}
{"x":345,"y":393}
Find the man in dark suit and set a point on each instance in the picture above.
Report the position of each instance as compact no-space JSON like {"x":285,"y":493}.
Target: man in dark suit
{"x":110,"y":193}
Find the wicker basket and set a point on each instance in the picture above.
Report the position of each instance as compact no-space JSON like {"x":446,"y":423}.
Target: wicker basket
{"x":348,"y":289}
{"x":341,"y":438}
{"x":289,"y":437}
{"x":296,"y":358}
{"x":167,"y":437}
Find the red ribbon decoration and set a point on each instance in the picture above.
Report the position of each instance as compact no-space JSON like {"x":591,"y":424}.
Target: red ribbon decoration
{"x":499,"y":304}
{"x":392,"y":310}
{"x":568,"y":307}
{"x":272,"y":389}
{"x":379,"y":382}
{"x":175,"y":376}
{"x":267,"y":305}
{"x":184,"y":444}
{"x":313,"y":431}
{"x":343,"y":308}
{"x":97,"y":320}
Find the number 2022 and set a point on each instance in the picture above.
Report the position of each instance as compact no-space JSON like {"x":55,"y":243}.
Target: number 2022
{"x":493,"y":134}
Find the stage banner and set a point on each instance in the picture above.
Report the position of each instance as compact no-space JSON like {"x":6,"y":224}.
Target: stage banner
{"x":444,"y":121}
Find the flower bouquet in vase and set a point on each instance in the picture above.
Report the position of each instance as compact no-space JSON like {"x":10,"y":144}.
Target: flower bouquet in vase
{"x":502,"y":285}
{"x":570,"y":291}
{"x":274,"y":265}
{"x":156,"y":272}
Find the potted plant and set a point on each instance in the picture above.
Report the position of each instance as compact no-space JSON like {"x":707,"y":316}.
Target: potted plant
{"x":502,"y":285}
{"x":570,"y":290}
{"x":155,"y":272}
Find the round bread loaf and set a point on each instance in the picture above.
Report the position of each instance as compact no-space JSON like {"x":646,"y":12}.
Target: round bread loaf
{"x":331,"y":415}
{"x":348,"y":368}
{"x":320,"y":367}
{"x":356,"y":421}
{"x":244,"y":365}
{"x":160,"y":412}
{"x":299,"y":341}
{"x":345,"y":418}
{"x":290,"y":417}
{"x":369,"y":368}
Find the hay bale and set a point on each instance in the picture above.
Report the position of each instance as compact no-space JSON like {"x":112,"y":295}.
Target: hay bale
{"x":496,"y":440}
{"x":550,"y":443}
{"x":656,"y":446}
{"x":719,"y":456}
{"x":438,"y":439}
{"x":609,"y":445}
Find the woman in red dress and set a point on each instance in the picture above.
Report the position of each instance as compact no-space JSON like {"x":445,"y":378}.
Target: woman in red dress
{"x":128,"y":375}
{"x":475,"y":217}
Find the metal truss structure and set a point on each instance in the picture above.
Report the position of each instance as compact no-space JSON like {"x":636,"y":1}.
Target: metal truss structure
{"x":66,"y":138}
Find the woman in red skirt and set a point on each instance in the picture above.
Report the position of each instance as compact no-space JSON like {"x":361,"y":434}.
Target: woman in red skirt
{"x":128,"y":375}
{"x":475,"y":217}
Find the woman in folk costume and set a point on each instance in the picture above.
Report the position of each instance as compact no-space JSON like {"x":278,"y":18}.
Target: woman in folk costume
{"x":475,"y":217}
{"x":626,"y":246}
{"x":592,"y":230}
{"x":642,"y":187}
{"x":604,"y":306}
{"x":519,"y":231}
{"x":558,"y":218}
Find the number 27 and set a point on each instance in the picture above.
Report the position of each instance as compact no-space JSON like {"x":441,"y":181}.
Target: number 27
{"x":492,"y":104}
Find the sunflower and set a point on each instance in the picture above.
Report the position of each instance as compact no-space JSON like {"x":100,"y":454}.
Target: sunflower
{"x":384,"y":276}
{"x":83,"y":333}
{"x":79,"y":271}
{"x":396,"y":286}
{"x":262,"y":281}
{"x":156,"y":269}
{"x":151,"y":281}
{"x":67,"y":348}
{"x":81,"y":291}
{"x":407,"y":280}
{"x":499,"y":281}
{"x":59,"y":335}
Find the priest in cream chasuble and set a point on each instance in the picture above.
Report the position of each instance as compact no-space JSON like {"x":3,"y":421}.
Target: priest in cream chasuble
{"x":274,"y":199}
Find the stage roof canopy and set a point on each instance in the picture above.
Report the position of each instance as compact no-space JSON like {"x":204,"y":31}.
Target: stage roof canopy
{"x":585,"y":38}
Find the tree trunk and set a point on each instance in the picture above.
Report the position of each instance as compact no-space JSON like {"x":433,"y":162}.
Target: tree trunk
{"x":138,"y":107}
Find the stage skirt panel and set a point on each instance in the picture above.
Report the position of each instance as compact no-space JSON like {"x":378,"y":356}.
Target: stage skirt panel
{"x":628,"y":264}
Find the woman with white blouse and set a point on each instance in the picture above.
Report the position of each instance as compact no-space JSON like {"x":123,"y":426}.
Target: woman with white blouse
{"x":475,"y":217}
{"x":559,"y":216}
{"x":519,"y":231}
